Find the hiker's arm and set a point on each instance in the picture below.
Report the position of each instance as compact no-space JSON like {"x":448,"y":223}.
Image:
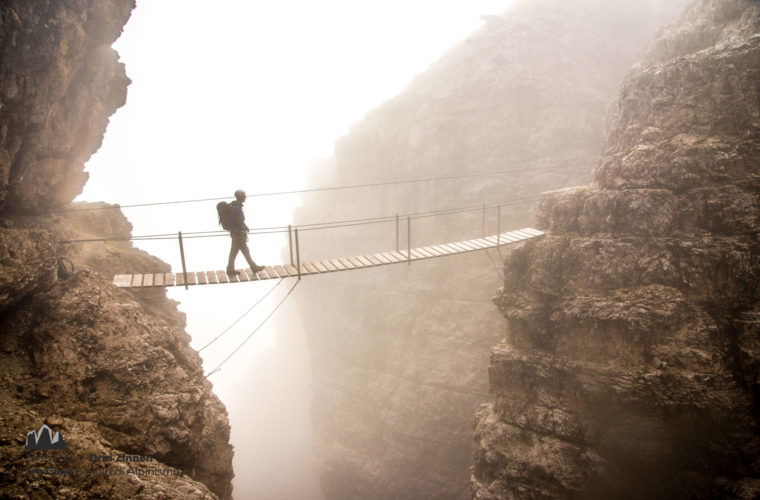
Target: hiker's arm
{"x":236,"y":220}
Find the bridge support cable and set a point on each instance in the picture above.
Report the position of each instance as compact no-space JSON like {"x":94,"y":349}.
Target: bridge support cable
{"x":263,"y":322}
{"x":242,"y":316}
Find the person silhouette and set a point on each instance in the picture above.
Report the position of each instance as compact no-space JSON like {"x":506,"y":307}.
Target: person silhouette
{"x":239,"y":235}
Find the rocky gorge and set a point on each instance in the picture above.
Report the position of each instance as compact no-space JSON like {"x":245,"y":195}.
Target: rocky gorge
{"x":399,"y":354}
{"x":110,"y":370}
{"x":629,"y":368}
{"x":630,"y":360}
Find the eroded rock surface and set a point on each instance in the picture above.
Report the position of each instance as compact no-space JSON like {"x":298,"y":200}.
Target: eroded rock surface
{"x":629,"y":366}
{"x":399,"y":352}
{"x":60,"y":80}
{"x":110,"y":370}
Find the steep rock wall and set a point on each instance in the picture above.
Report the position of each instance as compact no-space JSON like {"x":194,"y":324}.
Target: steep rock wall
{"x":60,"y":80}
{"x":629,"y":366}
{"x":111,"y":370}
{"x":398,"y":353}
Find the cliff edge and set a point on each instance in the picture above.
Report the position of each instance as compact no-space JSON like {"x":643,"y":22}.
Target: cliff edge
{"x":629,"y":369}
{"x":109,"y":371}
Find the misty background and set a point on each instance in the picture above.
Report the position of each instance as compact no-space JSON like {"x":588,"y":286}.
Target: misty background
{"x":248,"y":95}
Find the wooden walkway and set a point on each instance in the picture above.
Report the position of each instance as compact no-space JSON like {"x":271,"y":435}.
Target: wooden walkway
{"x":325,"y":266}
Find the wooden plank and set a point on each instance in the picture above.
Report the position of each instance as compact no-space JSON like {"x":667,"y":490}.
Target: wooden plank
{"x":489,"y":244}
{"x":459,"y":247}
{"x":282,"y":271}
{"x":401,"y":256}
{"x":200,"y":278}
{"x":373,"y":260}
{"x":382,"y":258}
{"x":365,"y":261}
{"x":346,"y":263}
{"x":271,"y":272}
{"x":263,"y":275}
{"x":122,"y":280}
{"x":158,"y":279}
{"x":518,"y":235}
{"x":136,"y":280}
{"x":211,"y":278}
{"x":525,"y":235}
{"x":450,"y":248}
{"x":534,"y":232}
{"x":417,"y":255}
{"x":511,"y":237}
{"x":444,"y":250}
{"x":318,"y":265}
{"x":432,"y":251}
{"x":168,"y":279}
{"x":179,"y":279}
{"x":328,"y":265}
{"x":392,"y":257}
{"x":291,"y":270}
{"x":524,"y":232}
{"x":338,"y":264}
{"x":251,"y":275}
{"x":242,"y":275}
{"x":147,"y":279}
{"x":478,"y":244}
{"x":425,"y":252}
{"x":468,"y":245}
{"x":191,"y":279}
{"x":310,"y":269}
{"x":355,"y":262}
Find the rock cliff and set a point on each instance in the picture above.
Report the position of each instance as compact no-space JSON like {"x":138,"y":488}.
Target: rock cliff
{"x":399,"y":353}
{"x":110,"y":370}
{"x":629,"y":368}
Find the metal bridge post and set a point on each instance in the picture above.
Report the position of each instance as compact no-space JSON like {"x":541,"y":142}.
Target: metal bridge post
{"x":484,"y":220}
{"x":397,"y":232}
{"x":498,"y":226}
{"x":182,"y":255}
{"x":409,"y":241}
{"x":290,"y":242}
{"x":298,"y":257}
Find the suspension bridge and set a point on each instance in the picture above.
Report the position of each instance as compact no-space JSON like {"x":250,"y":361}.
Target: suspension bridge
{"x":299,"y":269}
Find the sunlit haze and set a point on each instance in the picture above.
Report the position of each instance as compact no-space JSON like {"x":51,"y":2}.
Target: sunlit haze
{"x":245,"y":95}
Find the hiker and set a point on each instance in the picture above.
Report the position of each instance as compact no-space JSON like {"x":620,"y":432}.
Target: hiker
{"x":239,"y":234}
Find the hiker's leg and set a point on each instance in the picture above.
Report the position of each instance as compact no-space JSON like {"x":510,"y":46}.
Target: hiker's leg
{"x":234,"y":249}
{"x":246,"y":253}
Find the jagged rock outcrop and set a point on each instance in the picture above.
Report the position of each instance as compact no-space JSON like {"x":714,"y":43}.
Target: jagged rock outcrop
{"x":60,"y":80}
{"x":111,"y":370}
{"x":629,"y":366}
{"x":398,"y":353}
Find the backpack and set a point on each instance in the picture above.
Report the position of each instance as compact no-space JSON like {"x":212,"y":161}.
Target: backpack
{"x":223,"y":210}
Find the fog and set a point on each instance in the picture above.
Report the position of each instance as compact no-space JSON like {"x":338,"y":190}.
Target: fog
{"x":246,"y":95}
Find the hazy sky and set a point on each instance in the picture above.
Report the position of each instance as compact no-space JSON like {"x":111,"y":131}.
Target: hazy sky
{"x":245,"y":94}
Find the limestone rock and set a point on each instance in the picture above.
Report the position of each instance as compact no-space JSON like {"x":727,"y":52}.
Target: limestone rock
{"x":27,"y":264}
{"x":59,"y":83}
{"x":629,"y":365}
{"x":398,"y":353}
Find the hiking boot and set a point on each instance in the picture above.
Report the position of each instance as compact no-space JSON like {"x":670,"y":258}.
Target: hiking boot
{"x":232,"y":272}
{"x":256,"y":269}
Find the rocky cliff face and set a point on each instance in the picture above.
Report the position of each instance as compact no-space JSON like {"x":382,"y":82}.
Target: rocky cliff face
{"x":398,"y":353}
{"x":629,"y":368}
{"x":111,"y":371}
{"x":59,"y":82}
